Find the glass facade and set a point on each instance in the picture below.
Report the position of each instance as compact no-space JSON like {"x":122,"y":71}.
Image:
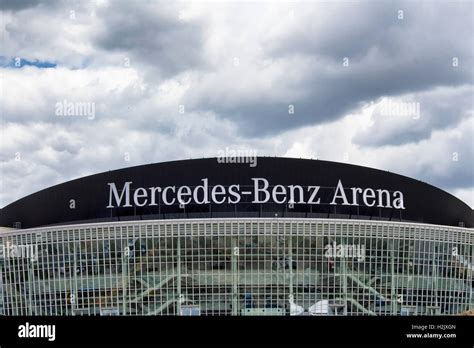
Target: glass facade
{"x":246,"y":266}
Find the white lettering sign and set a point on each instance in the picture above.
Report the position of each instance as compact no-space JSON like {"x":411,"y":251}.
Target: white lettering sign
{"x":259,"y":191}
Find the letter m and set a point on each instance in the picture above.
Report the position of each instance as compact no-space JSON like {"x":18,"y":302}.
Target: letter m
{"x":118,"y":199}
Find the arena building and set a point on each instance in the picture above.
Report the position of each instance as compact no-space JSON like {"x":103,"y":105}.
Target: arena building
{"x":210,"y":237}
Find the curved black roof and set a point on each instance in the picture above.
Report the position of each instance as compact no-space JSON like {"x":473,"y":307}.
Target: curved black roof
{"x":422,"y":202}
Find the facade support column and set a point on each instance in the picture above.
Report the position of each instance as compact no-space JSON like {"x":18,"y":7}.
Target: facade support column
{"x":344,"y":283}
{"x":393,"y":295}
{"x":290,"y":266}
{"x":234,"y":260}
{"x":178,"y":276}
{"x":125,"y":258}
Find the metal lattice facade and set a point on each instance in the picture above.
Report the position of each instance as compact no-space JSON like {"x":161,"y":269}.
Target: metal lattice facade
{"x":242,"y":266}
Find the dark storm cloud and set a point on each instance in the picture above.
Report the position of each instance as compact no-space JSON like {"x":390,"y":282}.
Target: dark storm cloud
{"x":387,"y":56}
{"x":341,"y":30}
{"x":188,"y":60}
{"x":17,"y":5}
{"x":442,"y":108}
{"x":152,"y":35}
{"x":458,"y":159}
{"x":20,"y":5}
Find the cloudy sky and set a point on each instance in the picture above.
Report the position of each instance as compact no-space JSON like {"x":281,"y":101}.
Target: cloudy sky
{"x":381,"y":84}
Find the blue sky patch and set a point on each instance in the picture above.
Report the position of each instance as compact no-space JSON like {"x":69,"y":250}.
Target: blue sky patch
{"x":18,"y":62}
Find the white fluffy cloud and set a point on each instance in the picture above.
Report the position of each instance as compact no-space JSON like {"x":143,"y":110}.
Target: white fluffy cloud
{"x":189,"y":79}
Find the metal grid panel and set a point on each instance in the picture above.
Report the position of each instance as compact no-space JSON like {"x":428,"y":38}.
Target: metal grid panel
{"x":238,"y":267}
